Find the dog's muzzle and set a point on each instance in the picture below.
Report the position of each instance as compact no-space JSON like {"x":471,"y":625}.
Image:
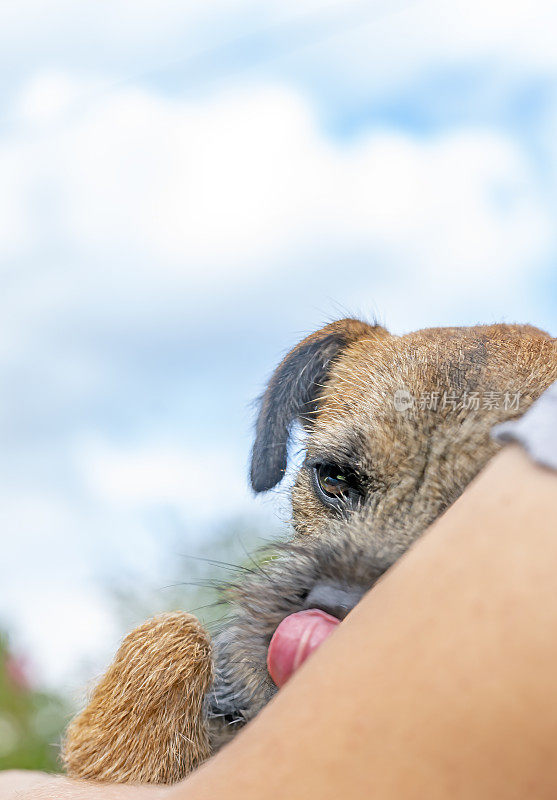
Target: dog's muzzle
{"x":335,"y":599}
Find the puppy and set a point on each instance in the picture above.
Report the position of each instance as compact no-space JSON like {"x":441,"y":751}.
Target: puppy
{"x":397,"y":427}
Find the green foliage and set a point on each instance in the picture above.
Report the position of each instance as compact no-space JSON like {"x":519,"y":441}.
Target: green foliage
{"x":31,"y":721}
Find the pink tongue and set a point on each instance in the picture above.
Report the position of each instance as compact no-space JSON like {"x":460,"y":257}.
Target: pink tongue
{"x":297,"y":636}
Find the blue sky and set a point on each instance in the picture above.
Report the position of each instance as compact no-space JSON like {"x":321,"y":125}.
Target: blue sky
{"x":186,"y":189}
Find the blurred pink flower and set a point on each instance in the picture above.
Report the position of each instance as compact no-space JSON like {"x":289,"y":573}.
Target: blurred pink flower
{"x":17,"y":671}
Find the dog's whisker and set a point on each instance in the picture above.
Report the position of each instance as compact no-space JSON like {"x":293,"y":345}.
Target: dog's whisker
{"x":217,"y":563}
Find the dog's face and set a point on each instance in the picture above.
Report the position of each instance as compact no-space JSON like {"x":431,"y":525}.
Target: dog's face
{"x":396,"y":429}
{"x":401,"y":424}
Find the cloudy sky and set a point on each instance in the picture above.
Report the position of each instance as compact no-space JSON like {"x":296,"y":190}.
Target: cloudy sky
{"x":187,"y":188}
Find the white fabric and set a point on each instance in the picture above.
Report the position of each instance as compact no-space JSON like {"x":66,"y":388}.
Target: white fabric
{"x":536,"y":431}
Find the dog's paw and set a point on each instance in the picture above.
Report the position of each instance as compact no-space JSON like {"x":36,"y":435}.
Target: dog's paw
{"x":145,"y":721}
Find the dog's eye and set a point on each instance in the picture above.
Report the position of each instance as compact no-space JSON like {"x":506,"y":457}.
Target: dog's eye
{"x":335,"y":487}
{"x":331,"y":481}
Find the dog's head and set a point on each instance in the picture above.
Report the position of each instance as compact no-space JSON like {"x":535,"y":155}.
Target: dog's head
{"x":397,"y":426}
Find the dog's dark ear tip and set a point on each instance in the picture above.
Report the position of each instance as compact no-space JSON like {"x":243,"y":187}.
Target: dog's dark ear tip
{"x":258,"y":486}
{"x":264,"y":477}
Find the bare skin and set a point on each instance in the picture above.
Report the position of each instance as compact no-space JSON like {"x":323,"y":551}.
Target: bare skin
{"x":453,"y":655}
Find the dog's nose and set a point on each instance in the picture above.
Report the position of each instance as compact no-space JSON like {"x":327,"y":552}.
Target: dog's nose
{"x":335,"y":599}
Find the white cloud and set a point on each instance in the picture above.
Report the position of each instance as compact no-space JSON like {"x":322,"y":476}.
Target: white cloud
{"x":151,"y":194}
{"x":70,"y":632}
{"x":46,"y":98}
{"x":151,"y":474}
{"x":379,"y":45}
{"x":515,"y":31}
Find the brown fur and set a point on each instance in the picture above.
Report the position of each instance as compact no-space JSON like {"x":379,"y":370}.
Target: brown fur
{"x":144,"y":721}
{"x":357,"y":403}
{"x":340,"y":382}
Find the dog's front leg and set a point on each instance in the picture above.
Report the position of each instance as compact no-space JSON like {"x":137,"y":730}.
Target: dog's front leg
{"x":145,"y":720}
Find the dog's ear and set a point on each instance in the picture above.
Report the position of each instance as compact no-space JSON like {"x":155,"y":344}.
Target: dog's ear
{"x":292,"y":394}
